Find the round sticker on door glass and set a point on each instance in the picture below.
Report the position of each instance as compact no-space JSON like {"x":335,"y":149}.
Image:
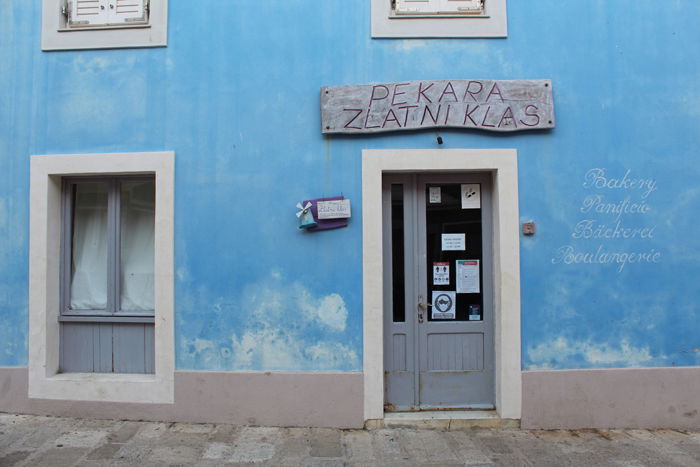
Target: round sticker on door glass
{"x":443,"y":303}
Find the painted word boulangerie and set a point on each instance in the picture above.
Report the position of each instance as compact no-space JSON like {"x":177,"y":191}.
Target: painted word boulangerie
{"x":477,"y":104}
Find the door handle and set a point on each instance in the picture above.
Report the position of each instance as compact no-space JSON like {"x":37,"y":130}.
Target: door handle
{"x":421,"y":308}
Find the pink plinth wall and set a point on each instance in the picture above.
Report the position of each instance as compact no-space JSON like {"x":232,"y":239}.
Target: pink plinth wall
{"x":614,"y":398}
{"x":562,"y":399}
{"x":239,"y":398}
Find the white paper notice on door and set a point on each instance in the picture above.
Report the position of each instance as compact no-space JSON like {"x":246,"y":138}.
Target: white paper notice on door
{"x":435,"y":194}
{"x":468,"y":276}
{"x":454,"y":242}
{"x":471,"y":196}
{"x":443,"y":304}
{"x":441,"y":273}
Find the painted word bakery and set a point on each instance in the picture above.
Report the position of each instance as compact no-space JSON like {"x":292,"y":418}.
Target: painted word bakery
{"x":321,"y":214}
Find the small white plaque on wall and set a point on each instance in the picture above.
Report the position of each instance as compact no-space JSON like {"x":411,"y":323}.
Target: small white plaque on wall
{"x":337,"y":209}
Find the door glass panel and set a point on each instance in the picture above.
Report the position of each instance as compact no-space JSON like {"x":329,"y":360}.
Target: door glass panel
{"x":89,"y":246}
{"x":397,"y":245}
{"x":444,"y":215}
{"x":137,"y":234}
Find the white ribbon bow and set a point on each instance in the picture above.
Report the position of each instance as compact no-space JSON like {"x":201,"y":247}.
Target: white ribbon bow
{"x":304,"y":209}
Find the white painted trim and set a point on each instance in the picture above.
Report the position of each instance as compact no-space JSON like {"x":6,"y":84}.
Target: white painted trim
{"x":503,"y":163}
{"x":495,"y":24}
{"x":44,"y":264}
{"x":54,"y":35}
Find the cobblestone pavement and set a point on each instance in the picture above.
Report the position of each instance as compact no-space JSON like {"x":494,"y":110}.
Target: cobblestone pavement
{"x":47,"y":441}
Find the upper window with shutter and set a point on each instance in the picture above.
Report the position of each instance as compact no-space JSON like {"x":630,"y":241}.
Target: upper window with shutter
{"x":91,"y":13}
{"x":438,"y":7}
{"x":96,"y":24}
{"x":438,"y":18}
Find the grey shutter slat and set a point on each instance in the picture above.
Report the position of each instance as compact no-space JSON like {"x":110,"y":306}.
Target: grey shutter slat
{"x":77,"y":348}
{"x":130,"y":353}
{"x":103,"y":347}
{"x":149,"y":348}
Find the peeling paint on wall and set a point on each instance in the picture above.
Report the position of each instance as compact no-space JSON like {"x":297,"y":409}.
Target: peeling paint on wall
{"x":275,"y":324}
{"x":565,"y":353}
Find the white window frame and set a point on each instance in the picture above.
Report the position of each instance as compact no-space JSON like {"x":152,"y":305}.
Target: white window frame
{"x":387,"y":24}
{"x":45,"y":381}
{"x":56,"y":35}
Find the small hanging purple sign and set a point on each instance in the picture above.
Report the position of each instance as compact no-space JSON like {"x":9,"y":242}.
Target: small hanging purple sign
{"x":325,"y":224}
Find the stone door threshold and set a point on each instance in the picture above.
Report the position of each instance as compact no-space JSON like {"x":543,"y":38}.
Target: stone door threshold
{"x":444,"y":420}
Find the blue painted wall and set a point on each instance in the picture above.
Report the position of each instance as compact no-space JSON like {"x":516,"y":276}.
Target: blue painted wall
{"x":235,"y":95}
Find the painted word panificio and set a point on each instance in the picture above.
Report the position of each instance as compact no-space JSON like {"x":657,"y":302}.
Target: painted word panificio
{"x":597,"y":204}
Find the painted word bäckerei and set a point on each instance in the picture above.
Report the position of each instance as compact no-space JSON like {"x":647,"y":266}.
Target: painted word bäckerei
{"x":478,"y":104}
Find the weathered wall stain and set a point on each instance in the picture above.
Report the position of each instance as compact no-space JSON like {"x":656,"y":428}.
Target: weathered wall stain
{"x":275,"y":324}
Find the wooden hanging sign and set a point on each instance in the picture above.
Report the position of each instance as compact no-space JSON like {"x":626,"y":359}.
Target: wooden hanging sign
{"x":490,"y":105}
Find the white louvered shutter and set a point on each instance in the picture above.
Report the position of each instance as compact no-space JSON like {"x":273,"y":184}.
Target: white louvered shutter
{"x":87,"y":13}
{"x":126,"y":11}
{"x":416,"y":7}
{"x":462,"y":7}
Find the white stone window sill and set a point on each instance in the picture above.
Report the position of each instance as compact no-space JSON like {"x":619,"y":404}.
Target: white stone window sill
{"x":102,"y":28}
{"x":103,"y":377}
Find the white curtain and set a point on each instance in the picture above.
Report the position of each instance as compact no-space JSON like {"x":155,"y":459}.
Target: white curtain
{"x":90,"y":247}
{"x":137,"y":240}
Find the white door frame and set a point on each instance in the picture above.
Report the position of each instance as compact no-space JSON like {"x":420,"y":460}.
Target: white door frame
{"x":503,"y":164}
